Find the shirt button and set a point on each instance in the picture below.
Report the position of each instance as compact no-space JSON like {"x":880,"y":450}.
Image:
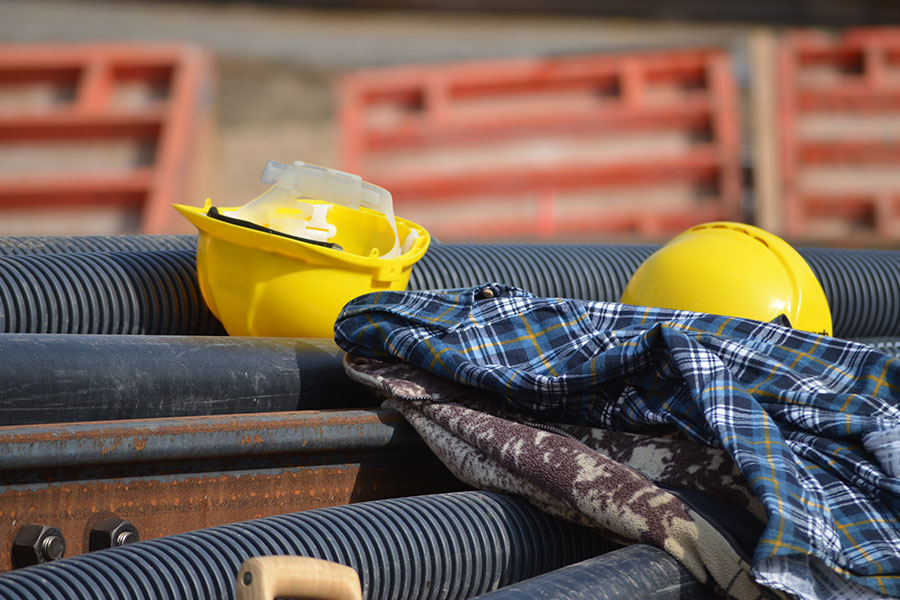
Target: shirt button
{"x":485,"y":294}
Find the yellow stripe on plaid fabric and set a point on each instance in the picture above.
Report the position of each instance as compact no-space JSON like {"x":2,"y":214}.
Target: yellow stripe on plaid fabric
{"x":781,"y":545}
{"x":508,"y":382}
{"x":819,"y":361}
{"x":880,"y":379}
{"x":724,"y":324}
{"x":776,"y":485}
{"x":756,"y":388}
{"x":805,"y":354}
{"x":437,"y":319}
{"x":377,"y":327}
{"x":845,"y":530}
{"x":684,"y":327}
{"x":645,"y":316}
{"x":837,"y":450}
{"x":846,"y":404}
{"x":810,"y":503}
{"x":532,"y":336}
{"x":436,"y":355}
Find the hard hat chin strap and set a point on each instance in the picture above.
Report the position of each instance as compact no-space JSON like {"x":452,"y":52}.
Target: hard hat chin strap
{"x":214,"y":213}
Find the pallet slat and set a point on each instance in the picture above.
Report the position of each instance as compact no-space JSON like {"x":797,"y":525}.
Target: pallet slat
{"x":839,"y":103}
{"x":76,"y":115}
{"x":469,"y":138}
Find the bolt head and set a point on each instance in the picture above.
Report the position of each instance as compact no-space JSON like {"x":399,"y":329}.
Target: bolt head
{"x":53,"y":547}
{"x":36,"y":544}
{"x":127,"y":537}
{"x":112,"y":532}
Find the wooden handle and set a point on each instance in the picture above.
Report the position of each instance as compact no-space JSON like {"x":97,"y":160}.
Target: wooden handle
{"x":269,"y":577}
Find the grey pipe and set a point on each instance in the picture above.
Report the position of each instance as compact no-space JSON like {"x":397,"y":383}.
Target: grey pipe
{"x":56,"y":378}
{"x":637,"y":572}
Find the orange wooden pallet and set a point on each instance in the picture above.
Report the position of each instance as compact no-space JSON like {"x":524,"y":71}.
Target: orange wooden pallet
{"x":92,"y":128}
{"x":839,"y":118}
{"x":583,"y":145}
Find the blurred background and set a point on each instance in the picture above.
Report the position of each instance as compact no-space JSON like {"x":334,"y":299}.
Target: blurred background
{"x":571,"y":120}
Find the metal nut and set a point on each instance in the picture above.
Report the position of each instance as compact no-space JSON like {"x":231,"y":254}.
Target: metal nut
{"x":36,"y":544}
{"x":112,"y":532}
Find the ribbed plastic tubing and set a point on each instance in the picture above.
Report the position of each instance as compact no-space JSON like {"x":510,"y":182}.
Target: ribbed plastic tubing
{"x":118,"y":292}
{"x":637,"y":572}
{"x":54,"y":244}
{"x":585,"y":271}
{"x":448,"y":546}
{"x":154,"y":289}
{"x":862,"y":286}
{"x":886,"y":345}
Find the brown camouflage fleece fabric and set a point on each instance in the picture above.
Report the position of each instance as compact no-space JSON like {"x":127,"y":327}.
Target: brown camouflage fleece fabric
{"x":599,"y":478}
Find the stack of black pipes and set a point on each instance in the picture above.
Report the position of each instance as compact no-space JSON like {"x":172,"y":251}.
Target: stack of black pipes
{"x":91,"y":325}
{"x":135,"y":302}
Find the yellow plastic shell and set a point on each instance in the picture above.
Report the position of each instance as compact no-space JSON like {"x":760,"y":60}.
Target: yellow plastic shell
{"x":261,"y":284}
{"x":732,"y":269}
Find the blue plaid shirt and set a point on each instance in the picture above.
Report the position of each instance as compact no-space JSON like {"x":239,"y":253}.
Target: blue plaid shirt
{"x":790,"y":407}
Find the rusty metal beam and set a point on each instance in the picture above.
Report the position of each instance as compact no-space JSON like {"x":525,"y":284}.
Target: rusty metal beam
{"x":172,"y":475}
{"x":196,"y":438}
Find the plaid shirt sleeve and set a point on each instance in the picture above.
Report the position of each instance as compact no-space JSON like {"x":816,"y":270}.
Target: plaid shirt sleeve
{"x":791,"y":408}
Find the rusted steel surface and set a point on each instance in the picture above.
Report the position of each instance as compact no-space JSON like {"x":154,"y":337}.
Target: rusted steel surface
{"x":172,"y":475}
{"x":110,"y":442}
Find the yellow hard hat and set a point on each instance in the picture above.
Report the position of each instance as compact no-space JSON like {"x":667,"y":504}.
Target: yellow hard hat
{"x":284,"y":264}
{"x":732,"y":269}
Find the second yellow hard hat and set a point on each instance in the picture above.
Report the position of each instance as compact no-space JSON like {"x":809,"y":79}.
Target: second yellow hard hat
{"x":732,"y":269}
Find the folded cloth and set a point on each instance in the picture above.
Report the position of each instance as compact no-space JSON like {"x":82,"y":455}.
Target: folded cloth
{"x":790,"y":408}
{"x":593,"y":477}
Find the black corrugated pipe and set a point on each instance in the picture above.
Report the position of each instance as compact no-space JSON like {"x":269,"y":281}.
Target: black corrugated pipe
{"x":862,"y":286}
{"x":56,"y":244}
{"x":586,"y":271}
{"x":128,"y":292}
{"x":889,"y":346}
{"x":636,"y":572}
{"x":66,"y":295}
{"x":76,"y":378}
{"x":449,"y":546}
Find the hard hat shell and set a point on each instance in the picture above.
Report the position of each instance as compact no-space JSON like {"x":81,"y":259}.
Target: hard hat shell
{"x":262,"y":284}
{"x":732,"y":269}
